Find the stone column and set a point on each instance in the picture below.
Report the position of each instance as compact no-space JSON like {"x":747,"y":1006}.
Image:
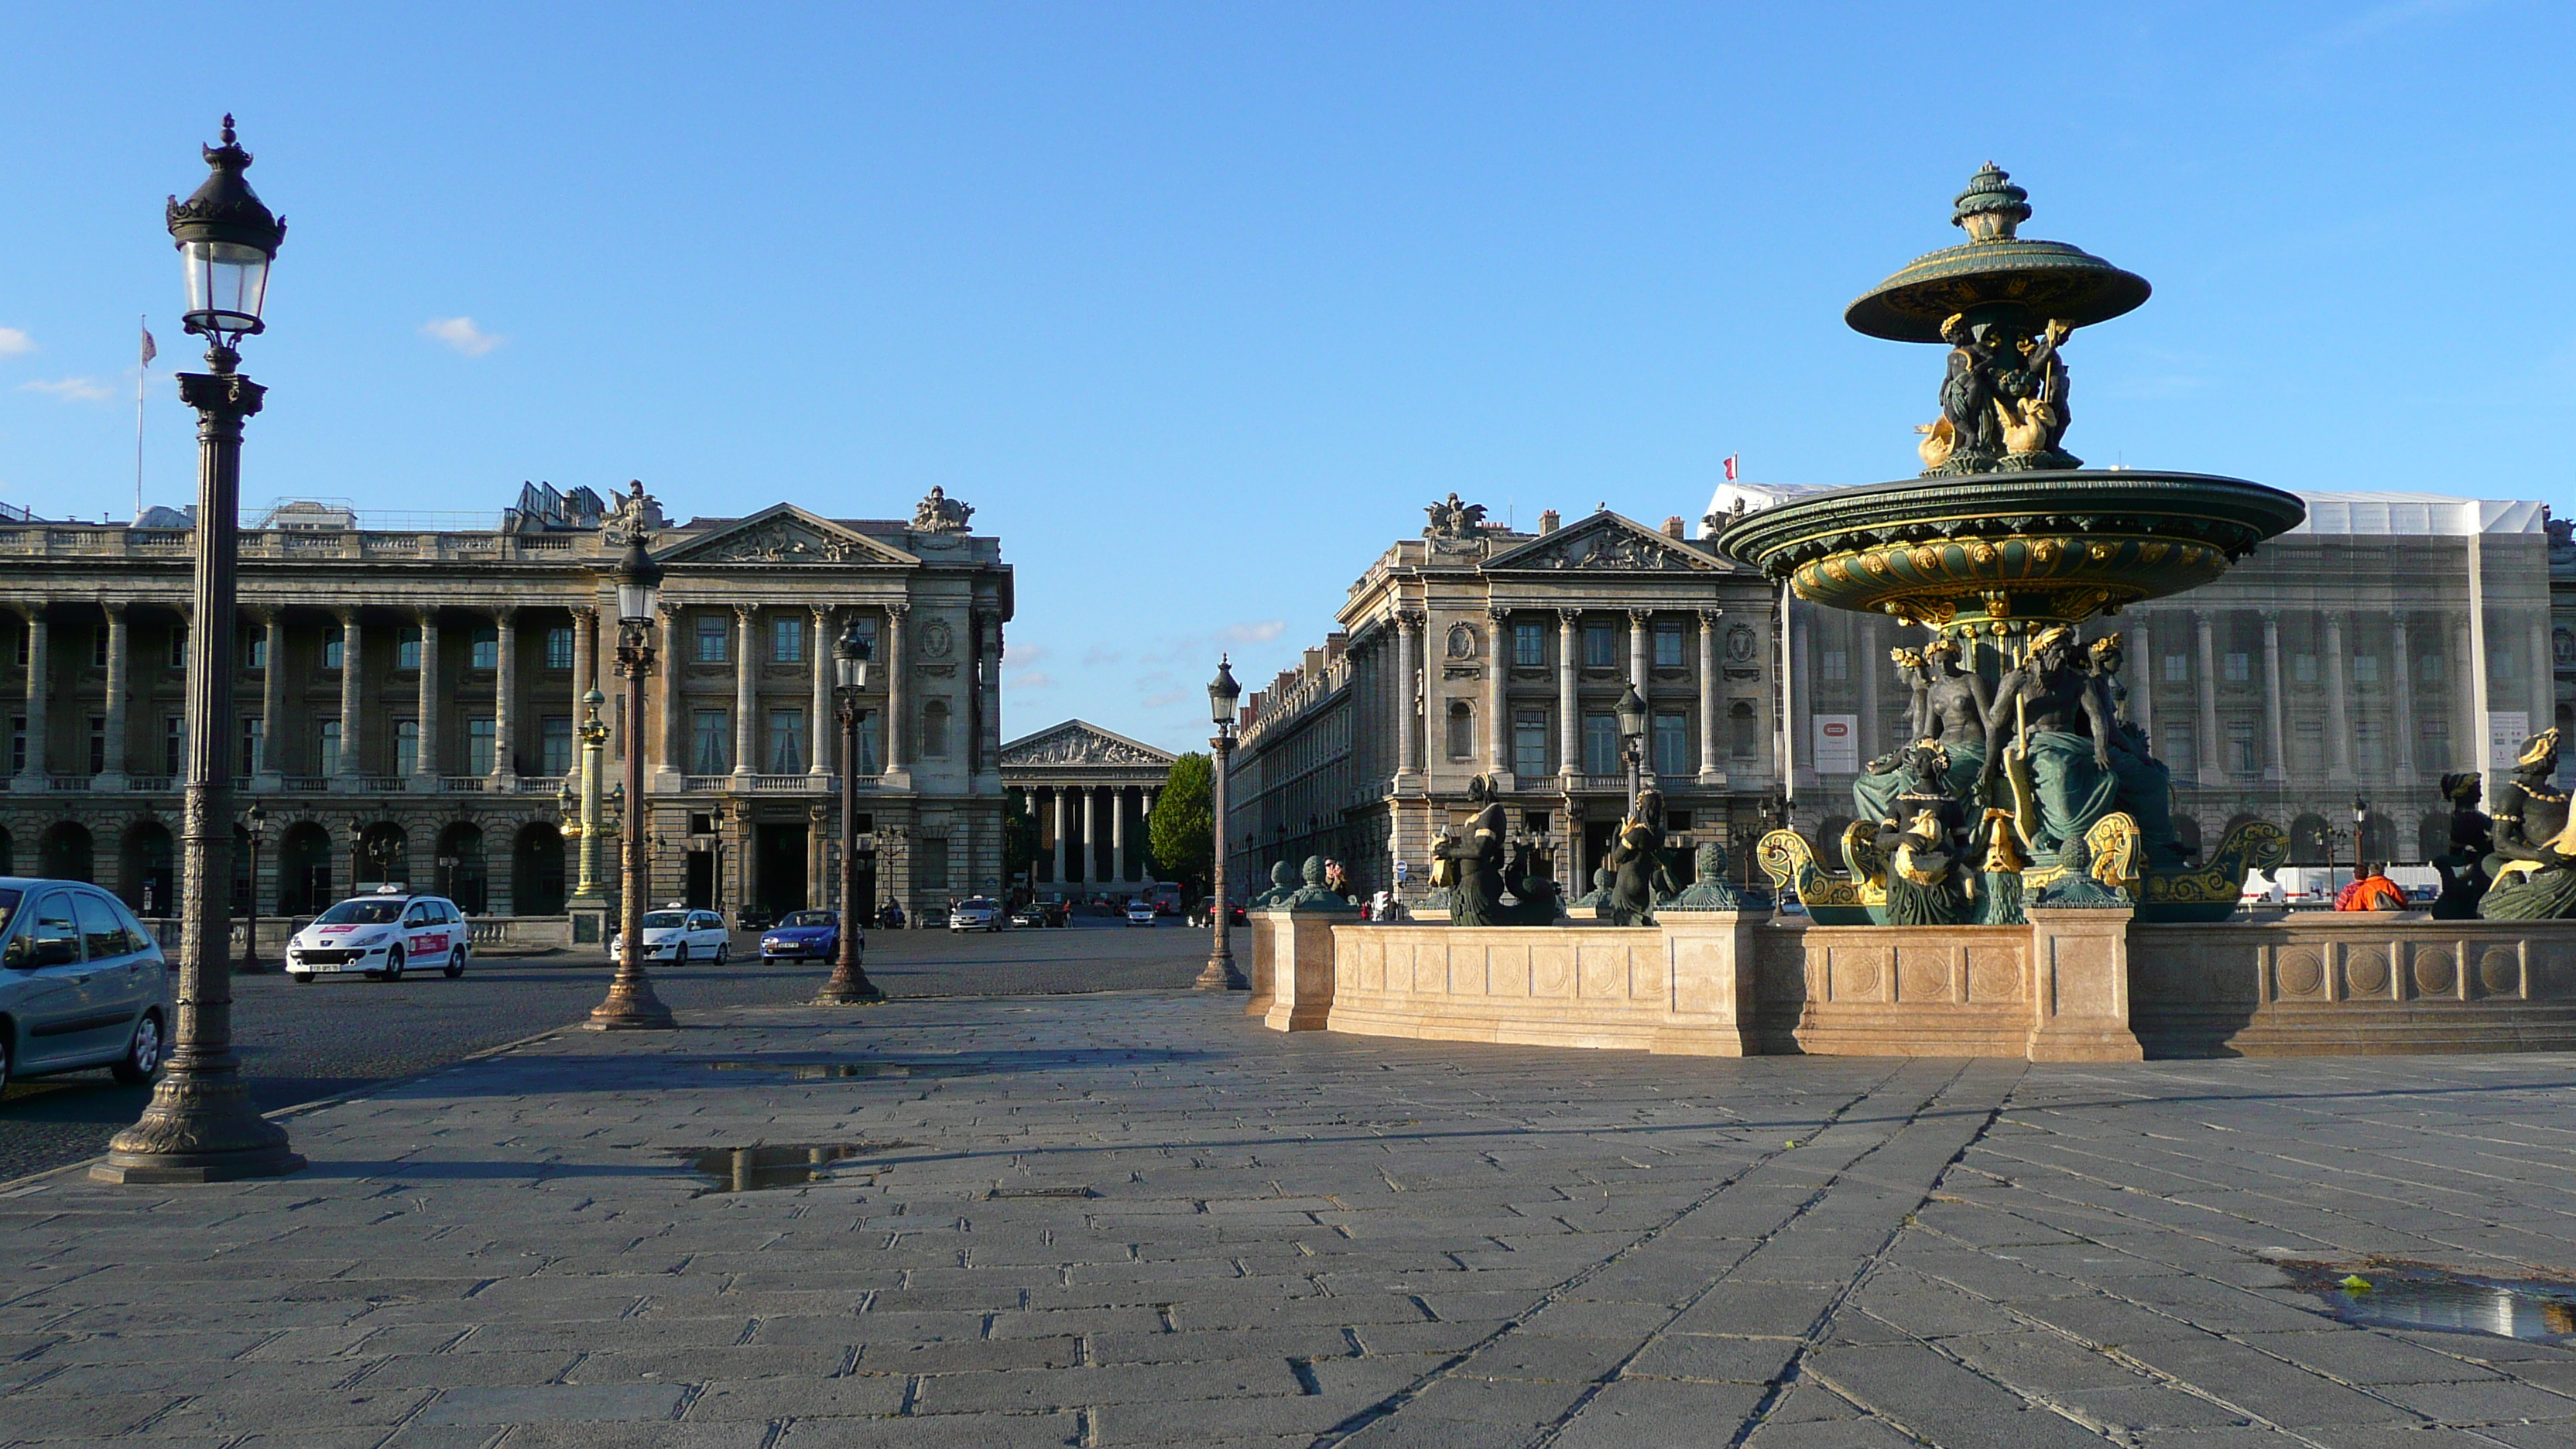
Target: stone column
{"x":898,"y":728}
{"x":352,"y":698}
{"x":585,"y":659}
{"x":1639,"y":662}
{"x":39,"y":693}
{"x":2338,"y":706}
{"x":746,"y":684}
{"x":989,"y":687}
{"x":2142,"y":678}
{"x":1498,"y":726}
{"x":1413,"y":701}
{"x":675,"y":745}
{"x":1118,"y":834}
{"x":1090,"y":832}
{"x":424,"y":763}
{"x":1872,"y":662}
{"x":2469,"y":730}
{"x":1709,"y":770}
{"x":1569,"y":738}
{"x":2543,"y":674}
{"x":2401,"y":699}
{"x":1802,"y":700}
{"x":272,"y":701}
{"x":505,"y":698}
{"x":2273,"y":770}
{"x":2080,"y":975}
{"x":112,"y":769}
{"x":2212,"y":772}
{"x":1063,"y":851}
{"x":819,"y":727}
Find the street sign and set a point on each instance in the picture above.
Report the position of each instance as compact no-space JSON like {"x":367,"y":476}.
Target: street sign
{"x":1837,"y":749}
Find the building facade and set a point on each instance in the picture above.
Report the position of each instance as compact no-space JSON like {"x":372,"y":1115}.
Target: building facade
{"x":410,"y":701}
{"x":1476,"y":650}
{"x":1089,"y":792}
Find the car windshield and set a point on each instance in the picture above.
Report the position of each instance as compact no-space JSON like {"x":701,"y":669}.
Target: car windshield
{"x":977,"y":904}
{"x":8,"y":907}
{"x":664,"y":920}
{"x":807,"y":918}
{"x":362,"y":913}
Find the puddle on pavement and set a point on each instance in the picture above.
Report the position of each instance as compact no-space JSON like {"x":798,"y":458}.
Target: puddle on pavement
{"x":774,"y":1165}
{"x":2412,"y":1297}
{"x":824,"y":1071}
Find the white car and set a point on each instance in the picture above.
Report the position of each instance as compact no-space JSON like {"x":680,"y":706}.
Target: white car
{"x":381,"y":935}
{"x":976,"y":913}
{"x":679,"y":936}
{"x":1140,"y":913}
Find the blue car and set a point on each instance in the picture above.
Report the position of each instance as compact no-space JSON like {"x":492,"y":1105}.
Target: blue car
{"x":805,"y":936}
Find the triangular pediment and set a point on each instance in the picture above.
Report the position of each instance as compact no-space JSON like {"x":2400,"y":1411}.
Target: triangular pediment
{"x":786,"y":534}
{"x":1078,"y":742}
{"x":1606,"y":543}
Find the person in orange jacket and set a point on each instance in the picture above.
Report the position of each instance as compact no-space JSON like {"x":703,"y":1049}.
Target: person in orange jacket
{"x":2374,"y":891}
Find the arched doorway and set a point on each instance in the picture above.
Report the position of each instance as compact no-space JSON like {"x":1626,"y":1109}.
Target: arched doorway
{"x":66,"y":853}
{"x":383,"y":857}
{"x":460,"y":853}
{"x":303,"y":869}
{"x":2378,"y":842}
{"x":537,"y":871}
{"x":148,"y":859}
{"x":2308,"y":844}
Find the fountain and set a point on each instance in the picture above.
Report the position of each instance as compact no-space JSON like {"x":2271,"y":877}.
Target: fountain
{"x":2003,"y":548}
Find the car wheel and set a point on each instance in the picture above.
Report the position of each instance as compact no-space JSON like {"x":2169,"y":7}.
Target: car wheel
{"x":142,"y":1053}
{"x":4,"y":1057}
{"x":680,"y":954}
{"x":455,"y":963}
{"x":393,"y":964}
{"x":724,"y":952}
{"x":300,"y":978}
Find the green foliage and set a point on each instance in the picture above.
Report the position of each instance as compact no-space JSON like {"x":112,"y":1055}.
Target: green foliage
{"x":1019,"y":838}
{"x":1181,"y":829}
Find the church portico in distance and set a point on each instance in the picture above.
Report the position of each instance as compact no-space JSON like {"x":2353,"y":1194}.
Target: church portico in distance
{"x":1090,"y":791}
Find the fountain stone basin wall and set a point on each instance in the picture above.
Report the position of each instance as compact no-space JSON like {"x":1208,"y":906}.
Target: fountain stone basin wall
{"x":2075,"y":985}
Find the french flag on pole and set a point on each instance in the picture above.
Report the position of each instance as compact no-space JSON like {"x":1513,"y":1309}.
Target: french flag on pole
{"x":1730,"y":467}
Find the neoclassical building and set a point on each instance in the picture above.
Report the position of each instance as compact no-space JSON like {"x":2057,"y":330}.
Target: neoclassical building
{"x":1089,"y":790}
{"x":1474,"y":650}
{"x":409,"y":701}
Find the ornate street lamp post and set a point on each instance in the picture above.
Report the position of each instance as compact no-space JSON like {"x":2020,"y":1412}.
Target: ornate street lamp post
{"x":849,"y":985}
{"x":255,"y":828}
{"x":583,"y":805}
{"x":200,"y":1126}
{"x":1632,"y":741}
{"x":631,"y":1004}
{"x":1221,"y":974}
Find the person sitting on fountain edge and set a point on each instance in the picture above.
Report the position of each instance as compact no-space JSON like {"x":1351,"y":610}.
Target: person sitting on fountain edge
{"x":2374,"y":891}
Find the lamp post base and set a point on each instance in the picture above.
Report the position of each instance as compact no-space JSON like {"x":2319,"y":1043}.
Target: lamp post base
{"x":1222,"y":975}
{"x":197,"y":1131}
{"x":836,"y":992}
{"x":631,"y":1006}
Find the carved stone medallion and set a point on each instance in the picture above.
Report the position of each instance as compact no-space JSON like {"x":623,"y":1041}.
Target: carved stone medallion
{"x":937,"y":639}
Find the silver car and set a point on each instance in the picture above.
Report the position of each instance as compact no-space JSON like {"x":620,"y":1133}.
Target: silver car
{"x":82,"y":984}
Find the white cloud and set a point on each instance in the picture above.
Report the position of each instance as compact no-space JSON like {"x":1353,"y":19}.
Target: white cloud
{"x":1157,"y":701}
{"x":1258,"y":633}
{"x":71,"y":389}
{"x":1100,"y":654}
{"x":14,"y":343}
{"x":461,"y":334}
{"x":1032,"y":679}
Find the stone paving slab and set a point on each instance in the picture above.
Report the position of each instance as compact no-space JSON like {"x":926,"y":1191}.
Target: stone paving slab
{"x":1138,"y":1219}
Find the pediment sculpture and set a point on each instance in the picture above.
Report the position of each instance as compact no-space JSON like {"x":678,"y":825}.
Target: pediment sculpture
{"x":1081,"y":747}
{"x":1606,"y":548}
{"x":782,"y":541}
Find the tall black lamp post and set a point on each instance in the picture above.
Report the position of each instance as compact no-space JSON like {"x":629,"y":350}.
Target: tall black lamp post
{"x":1221,"y":974}
{"x":254,"y":829}
{"x":631,"y":1004}
{"x":1632,"y":741}
{"x":201,"y":1126}
{"x":849,"y":985}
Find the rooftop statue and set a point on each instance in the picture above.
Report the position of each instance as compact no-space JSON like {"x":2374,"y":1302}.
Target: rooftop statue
{"x":1453,"y":519}
{"x":2534,"y":864}
{"x":637,"y":514}
{"x":939,"y":513}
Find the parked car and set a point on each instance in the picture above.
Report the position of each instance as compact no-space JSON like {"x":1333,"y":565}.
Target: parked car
{"x":806,"y":936}
{"x":1207,"y":909}
{"x":753,"y":918}
{"x":379,"y":936}
{"x":679,"y":936}
{"x":1140,"y":913}
{"x":82,"y":984}
{"x":1032,"y":914}
{"x":976,"y":913}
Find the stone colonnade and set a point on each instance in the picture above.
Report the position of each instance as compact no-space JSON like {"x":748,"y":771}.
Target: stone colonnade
{"x":1079,"y":824}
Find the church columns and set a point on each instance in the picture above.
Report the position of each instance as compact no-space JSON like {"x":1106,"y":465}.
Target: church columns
{"x":2213,"y":771}
{"x":2274,"y":771}
{"x":1063,"y":856}
{"x":2338,"y":708}
{"x":2401,"y":728}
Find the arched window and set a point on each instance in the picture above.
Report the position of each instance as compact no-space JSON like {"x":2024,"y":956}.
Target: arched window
{"x":1462,"y":730}
{"x":934,"y":729}
{"x":1742,"y":742}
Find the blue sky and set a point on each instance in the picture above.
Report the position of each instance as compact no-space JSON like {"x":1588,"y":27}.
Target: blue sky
{"x":1200,"y":304}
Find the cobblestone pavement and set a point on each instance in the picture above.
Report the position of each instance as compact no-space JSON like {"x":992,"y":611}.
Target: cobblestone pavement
{"x":299,"y":1043}
{"x":1140,"y":1219}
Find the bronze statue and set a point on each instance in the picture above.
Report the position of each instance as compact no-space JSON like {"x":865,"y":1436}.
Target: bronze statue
{"x":2464,"y":867}
{"x":1709,"y":889}
{"x":2058,"y":728}
{"x":2534,"y":865}
{"x":1637,"y":860}
{"x":2146,"y":786}
{"x":1952,"y":706}
{"x":1476,"y":882}
{"x":1926,"y":844}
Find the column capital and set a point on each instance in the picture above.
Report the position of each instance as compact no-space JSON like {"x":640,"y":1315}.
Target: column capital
{"x":822,"y":612}
{"x":586,"y":613}
{"x":347,"y":614}
{"x":668,"y":608}
{"x":1708,"y":617}
{"x":426,"y":614}
{"x":115,"y":607}
{"x":1567,"y":615}
{"x":745,"y":610}
{"x":897,"y":609}
{"x":504,"y":613}
{"x":2271,"y":618}
{"x":1409,"y":620}
{"x":1640,"y":616}
{"x":1498,"y":614}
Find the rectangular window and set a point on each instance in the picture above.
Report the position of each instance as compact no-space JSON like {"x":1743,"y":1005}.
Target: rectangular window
{"x":2370,"y":746}
{"x":26,"y":645}
{"x":17,"y":744}
{"x":1529,"y":645}
{"x":1672,"y":744}
{"x":178,"y":647}
{"x":331,"y":645}
{"x":406,"y":747}
{"x":1834,"y":664}
{"x":2429,"y":669}
{"x":1529,"y":743}
{"x":2240,"y":668}
{"x":2177,"y":750}
{"x":2241,"y":754}
{"x":2177,"y":668}
{"x":407,"y":653}
{"x":1600,"y":647}
{"x":2308,"y":741}
{"x":98,"y":647}
{"x":709,"y":743}
{"x":252,"y":729}
{"x":326,"y":747}
{"x":2500,"y":663}
{"x":787,"y":639}
{"x":554,"y":744}
{"x":1601,"y":745}
{"x":487,"y":650}
{"x":2365,"y":669}
{"x":786,"y":741}
{"x":1668,"y":646}
{"x":2433,"y":752}
{"x":1462,"y":730}
{"x":712,"y":639}
{"x":930,"y":864}
{"x":559,"y":648}
{"x":481,"y":742}
{"x":174,"y":745}
{"x":868,"y":754}
{"x":254,"y":650}
{"x":98,"y":744}
{"x":2303,"y":668}
{"x":1743,"y":739}
{"x":868,"y":637}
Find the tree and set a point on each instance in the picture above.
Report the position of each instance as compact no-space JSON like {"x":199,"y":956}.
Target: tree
{"x":1019,"y":839}
{"x":1181,"y":829}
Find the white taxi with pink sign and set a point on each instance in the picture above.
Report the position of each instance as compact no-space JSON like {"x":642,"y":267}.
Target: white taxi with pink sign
{"x":381,"y":935}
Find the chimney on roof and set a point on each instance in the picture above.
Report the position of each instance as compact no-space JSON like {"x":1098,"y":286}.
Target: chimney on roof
{"x":1547,"y":522}
{"x":1673,"y":526}
{"x":1336,"y":644}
